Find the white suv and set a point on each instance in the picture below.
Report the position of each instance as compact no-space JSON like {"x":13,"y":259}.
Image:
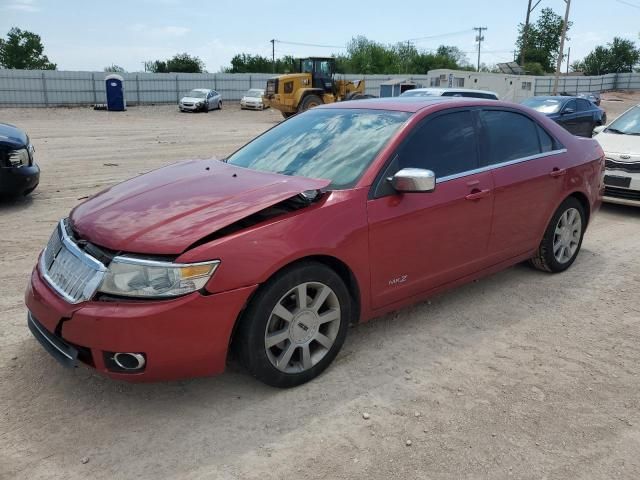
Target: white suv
{"x":450,"y":92}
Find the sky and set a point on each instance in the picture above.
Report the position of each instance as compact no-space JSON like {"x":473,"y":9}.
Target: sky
{"x":89,"y":34}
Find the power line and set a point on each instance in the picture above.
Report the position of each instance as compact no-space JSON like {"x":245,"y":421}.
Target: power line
{"x":629,"y":4}
{"x":450,"y":34}
{"x":284,"y":42}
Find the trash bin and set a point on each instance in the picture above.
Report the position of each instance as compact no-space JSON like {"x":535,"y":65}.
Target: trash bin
{"x":114,"y":85}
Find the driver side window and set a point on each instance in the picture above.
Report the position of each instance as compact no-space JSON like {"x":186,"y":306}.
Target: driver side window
{"x":445,"y":144}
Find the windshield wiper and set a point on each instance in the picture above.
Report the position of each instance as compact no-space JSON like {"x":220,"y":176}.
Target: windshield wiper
{"x":615,"y":130}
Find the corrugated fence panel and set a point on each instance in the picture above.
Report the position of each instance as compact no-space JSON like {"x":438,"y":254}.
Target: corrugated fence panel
{"x":37,"y":88}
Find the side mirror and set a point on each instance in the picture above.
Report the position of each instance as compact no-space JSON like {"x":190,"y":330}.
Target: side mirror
{"x":599,"y":129}
{"x":413,"y":180}
{"x":567,"y":111}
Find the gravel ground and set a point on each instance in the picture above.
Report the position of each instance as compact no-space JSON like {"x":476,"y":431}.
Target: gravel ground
{"x":519,"y":375}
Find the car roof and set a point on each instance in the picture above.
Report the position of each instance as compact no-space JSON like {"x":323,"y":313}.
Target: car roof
{"x":200,"y":89}
{"x":451,"y":89}
{"x":411,"y":104}
{"x":560,"y":98}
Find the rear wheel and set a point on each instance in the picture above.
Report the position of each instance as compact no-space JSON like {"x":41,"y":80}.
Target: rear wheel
{"x":308,"y":102}
{"x":295,"y":325}
{"x":562,"y":239}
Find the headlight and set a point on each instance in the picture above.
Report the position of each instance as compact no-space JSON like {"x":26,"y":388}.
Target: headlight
{"x":200,"y":104}
{"x":18,"y":158}
{"x":133,"y":277}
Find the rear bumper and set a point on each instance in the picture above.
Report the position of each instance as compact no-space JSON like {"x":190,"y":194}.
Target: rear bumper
{"x":19,"y":180}
{"x":180,"y":338}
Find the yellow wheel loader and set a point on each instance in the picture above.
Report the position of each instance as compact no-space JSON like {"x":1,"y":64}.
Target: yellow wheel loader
{"x":313,"y":85}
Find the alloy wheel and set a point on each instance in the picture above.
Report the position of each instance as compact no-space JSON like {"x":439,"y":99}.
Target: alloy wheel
{"x":302,"y":327}
{"x":566,"y":237}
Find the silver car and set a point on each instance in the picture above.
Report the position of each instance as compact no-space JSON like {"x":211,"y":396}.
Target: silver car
{"x":200,"y":100}
{"x":252,"y":100}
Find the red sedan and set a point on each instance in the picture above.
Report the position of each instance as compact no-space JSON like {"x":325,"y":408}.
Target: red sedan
{"x":335,"y":216}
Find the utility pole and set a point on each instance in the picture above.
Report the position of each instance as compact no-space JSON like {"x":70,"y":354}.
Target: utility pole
{"x":479,"y":39}
{"x":561,"y":51}
{"x":525,"y":31}
{"x":273,"y":54}
{"x":568,"y":58}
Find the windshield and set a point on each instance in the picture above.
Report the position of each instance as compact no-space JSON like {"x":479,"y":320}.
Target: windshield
{"x":544,"y":105}
{"x":628,"y":123}
{"x":332,"y":144}
{"x":197,"y":94}
{"x":419,"y":93}
{"x":254,"y":93}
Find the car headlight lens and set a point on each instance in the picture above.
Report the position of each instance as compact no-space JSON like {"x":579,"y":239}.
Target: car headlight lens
{"x":133,"y":277}
{"x":18,"y":158}
{"x":200,"y":104}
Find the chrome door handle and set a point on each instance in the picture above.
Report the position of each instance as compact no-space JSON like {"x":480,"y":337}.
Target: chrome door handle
{"x":477,"y":194}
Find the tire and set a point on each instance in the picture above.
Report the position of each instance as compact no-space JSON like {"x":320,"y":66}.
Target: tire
{"x":288,"y":114}
{"x":220,"y":105}
{"x":308,"y":102}
{"x":562,"y":239}
{"x":308,"y":341}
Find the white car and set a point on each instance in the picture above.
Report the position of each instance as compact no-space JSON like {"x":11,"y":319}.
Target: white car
{"x":200,"y":100}
{"x":620,"y":141}
{"x":252,"y":100}
{"x":450,"y":92}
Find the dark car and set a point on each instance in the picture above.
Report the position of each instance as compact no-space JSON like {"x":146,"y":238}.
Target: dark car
{"x":578,"y":115}
{"x":593,"y":97}
{"x":19,"y":174}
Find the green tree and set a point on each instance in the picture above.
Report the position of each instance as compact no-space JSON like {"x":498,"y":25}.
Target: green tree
{"x":23,"y":50}
{"x":179,"y":63}
{"x":247,"y":63}
{"x":618,"y":56}
{"x":114,"y":68}
{"x":543,"y":39}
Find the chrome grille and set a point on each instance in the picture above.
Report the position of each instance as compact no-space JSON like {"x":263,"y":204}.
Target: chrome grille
{"x":71,"y":272}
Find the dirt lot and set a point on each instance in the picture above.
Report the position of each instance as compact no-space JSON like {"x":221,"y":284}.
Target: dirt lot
{"x":519,"y":375}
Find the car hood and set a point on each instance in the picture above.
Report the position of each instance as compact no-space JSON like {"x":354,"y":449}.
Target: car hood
{"x":619,"y":144}
{"x":12,"y":137}
{"x":192,"y":99}
{"x":166,"y":211}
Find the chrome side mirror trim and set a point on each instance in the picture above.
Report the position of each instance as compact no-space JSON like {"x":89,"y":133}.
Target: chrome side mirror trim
{"x":414,"y":180}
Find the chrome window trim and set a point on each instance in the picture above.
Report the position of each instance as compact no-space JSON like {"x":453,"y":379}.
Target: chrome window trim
{"x":500,"y":165}
{"x":46,"y":337}
{"x":92,"y":285}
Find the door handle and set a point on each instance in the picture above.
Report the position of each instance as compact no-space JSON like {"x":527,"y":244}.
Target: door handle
{"x":477,"y":194}
{"x":558,"y":172}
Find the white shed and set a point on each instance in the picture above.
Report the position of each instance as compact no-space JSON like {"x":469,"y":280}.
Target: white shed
{"x":513,"y":88}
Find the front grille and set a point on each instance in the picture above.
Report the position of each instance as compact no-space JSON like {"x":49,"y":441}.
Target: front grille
{"x":70,"y":271}
{"x":631,"y":167}
{"x":272,"y":86}
{"x":188,"y":104}
{"x":623,"y":193}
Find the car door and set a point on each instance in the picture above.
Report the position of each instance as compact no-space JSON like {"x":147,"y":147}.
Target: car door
{"x":585,"y":118}
{"x":569,"y":117}
{"x":526,"y":164}
{"x":419,"y":241}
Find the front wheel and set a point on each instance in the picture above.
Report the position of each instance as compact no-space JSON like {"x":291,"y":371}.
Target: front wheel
{"x":295,"y":325}
{"x":220,"y":105}
{"x":562,"y":239}
{"x":308,"y":102}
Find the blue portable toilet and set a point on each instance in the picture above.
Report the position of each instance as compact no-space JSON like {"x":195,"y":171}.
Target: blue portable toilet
{"x":114,"y":85}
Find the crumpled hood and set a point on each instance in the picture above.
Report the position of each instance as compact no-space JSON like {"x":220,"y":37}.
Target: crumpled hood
{"x":192,"y":99}
{"x":167,"y":210}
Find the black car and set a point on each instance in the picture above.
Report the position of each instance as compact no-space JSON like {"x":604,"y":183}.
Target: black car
{"x":19,"y":174}
{"x":578,"y":115}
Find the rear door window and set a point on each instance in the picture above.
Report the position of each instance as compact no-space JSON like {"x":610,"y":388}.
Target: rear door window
{"x":445,"y":144}
{"x":508,"y":136}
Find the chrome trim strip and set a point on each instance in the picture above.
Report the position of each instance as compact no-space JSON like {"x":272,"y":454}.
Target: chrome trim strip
{"x":500,"y":165}
{"x":46,"y":336}
{"x":157,"y":263}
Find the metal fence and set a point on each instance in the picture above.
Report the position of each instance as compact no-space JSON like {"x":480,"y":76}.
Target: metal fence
{"x":48,"y":88}
{"x":574,"y":85}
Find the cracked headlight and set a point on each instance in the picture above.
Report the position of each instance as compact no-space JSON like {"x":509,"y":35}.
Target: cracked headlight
{"x":133,"y":277}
